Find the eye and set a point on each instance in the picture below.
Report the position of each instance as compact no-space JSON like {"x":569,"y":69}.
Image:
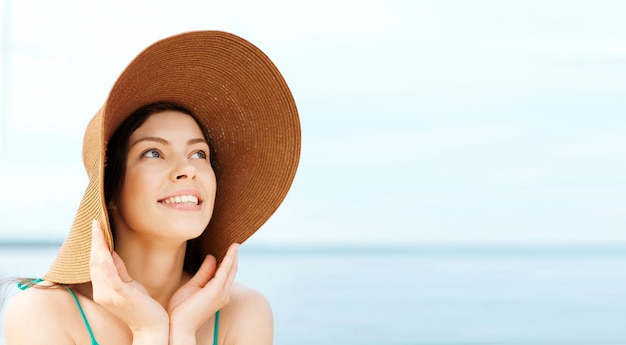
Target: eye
{"x":199,"y":154}
{"x":152,"y":153}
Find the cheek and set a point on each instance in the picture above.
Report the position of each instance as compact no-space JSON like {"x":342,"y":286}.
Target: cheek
{"x":210,"y":183}
{"x":210,"y":187}
{"x":135,"y":189}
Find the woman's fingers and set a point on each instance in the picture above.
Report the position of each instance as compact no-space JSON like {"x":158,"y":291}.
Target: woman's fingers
{"x":227,"y":270}
{"x":218,"y":288}
{"x":106,"y":269}
{"x":114,"y":289}
{"x":101,"y":262}
{"x":120,"y":266}
{"x":196,"y":301}
{"x":233,"y":257}
{"x":97,"y":240}
{"x":205,"y":272}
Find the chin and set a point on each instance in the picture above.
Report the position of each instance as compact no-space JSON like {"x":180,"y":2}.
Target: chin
{"x":188,"y":231}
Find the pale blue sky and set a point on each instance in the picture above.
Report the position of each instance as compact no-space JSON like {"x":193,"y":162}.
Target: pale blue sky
{"x":423,"y":121}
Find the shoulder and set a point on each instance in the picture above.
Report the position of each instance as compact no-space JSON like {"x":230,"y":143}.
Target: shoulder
{"x":250,"y":300}
{"x":249,"y":316}
{"x":36,"y":312}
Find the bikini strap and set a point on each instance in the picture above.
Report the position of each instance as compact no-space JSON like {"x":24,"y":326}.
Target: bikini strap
{"x":82,"y":314}
{"x":217,"y":323}
{"x":25,"y":284}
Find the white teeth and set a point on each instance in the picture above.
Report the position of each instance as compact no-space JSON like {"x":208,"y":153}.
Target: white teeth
{"x":182,"y":199}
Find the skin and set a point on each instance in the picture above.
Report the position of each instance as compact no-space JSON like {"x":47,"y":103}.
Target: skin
{"x":139,"y":294}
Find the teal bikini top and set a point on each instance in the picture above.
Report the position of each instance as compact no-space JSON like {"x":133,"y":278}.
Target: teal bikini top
{"x":24,"y":286}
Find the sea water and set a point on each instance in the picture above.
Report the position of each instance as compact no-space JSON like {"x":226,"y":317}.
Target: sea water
{"x":396,"y":295}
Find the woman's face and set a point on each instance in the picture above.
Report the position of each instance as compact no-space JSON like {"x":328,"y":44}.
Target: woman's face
{"x":169,"y":185}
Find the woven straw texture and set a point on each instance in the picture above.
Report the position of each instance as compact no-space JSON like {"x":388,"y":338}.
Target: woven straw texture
{"x":239,"y":96}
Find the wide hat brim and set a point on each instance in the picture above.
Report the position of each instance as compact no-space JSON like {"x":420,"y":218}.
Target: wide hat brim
{"x":239,"y":95}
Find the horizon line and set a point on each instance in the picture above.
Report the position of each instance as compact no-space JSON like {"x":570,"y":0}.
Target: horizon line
{"x":398,"y":248}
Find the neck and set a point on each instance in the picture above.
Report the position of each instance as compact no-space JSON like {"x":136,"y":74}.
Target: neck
{"x":156,"y":265}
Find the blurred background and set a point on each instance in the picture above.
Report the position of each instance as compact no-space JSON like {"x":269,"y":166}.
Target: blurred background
{"x":462,"y":178}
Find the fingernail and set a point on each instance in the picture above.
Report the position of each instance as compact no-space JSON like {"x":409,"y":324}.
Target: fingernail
{"x":95,"y":225}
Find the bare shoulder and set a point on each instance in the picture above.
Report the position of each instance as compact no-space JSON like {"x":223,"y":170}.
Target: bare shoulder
{"x":251,"y":300}
{"x":249,"y":317}
{"x":35,"y":316}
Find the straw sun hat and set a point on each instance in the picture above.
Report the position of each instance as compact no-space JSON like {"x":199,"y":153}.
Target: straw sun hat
{"x":238,"y":94}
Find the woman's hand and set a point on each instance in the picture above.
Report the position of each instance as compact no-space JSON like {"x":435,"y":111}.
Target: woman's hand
{"x":206,"y":293}
{"x":118,"y":293}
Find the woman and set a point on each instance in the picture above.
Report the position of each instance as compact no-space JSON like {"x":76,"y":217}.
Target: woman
{"x":201,"y":139}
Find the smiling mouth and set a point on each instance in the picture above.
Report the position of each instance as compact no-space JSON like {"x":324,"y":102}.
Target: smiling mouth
{"x":182,"y":200}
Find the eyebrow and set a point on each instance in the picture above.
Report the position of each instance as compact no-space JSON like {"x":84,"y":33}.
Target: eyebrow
{"x":165,"y":142}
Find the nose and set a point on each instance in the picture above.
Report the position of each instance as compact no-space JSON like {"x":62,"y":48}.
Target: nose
{"x":184,"y":170}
